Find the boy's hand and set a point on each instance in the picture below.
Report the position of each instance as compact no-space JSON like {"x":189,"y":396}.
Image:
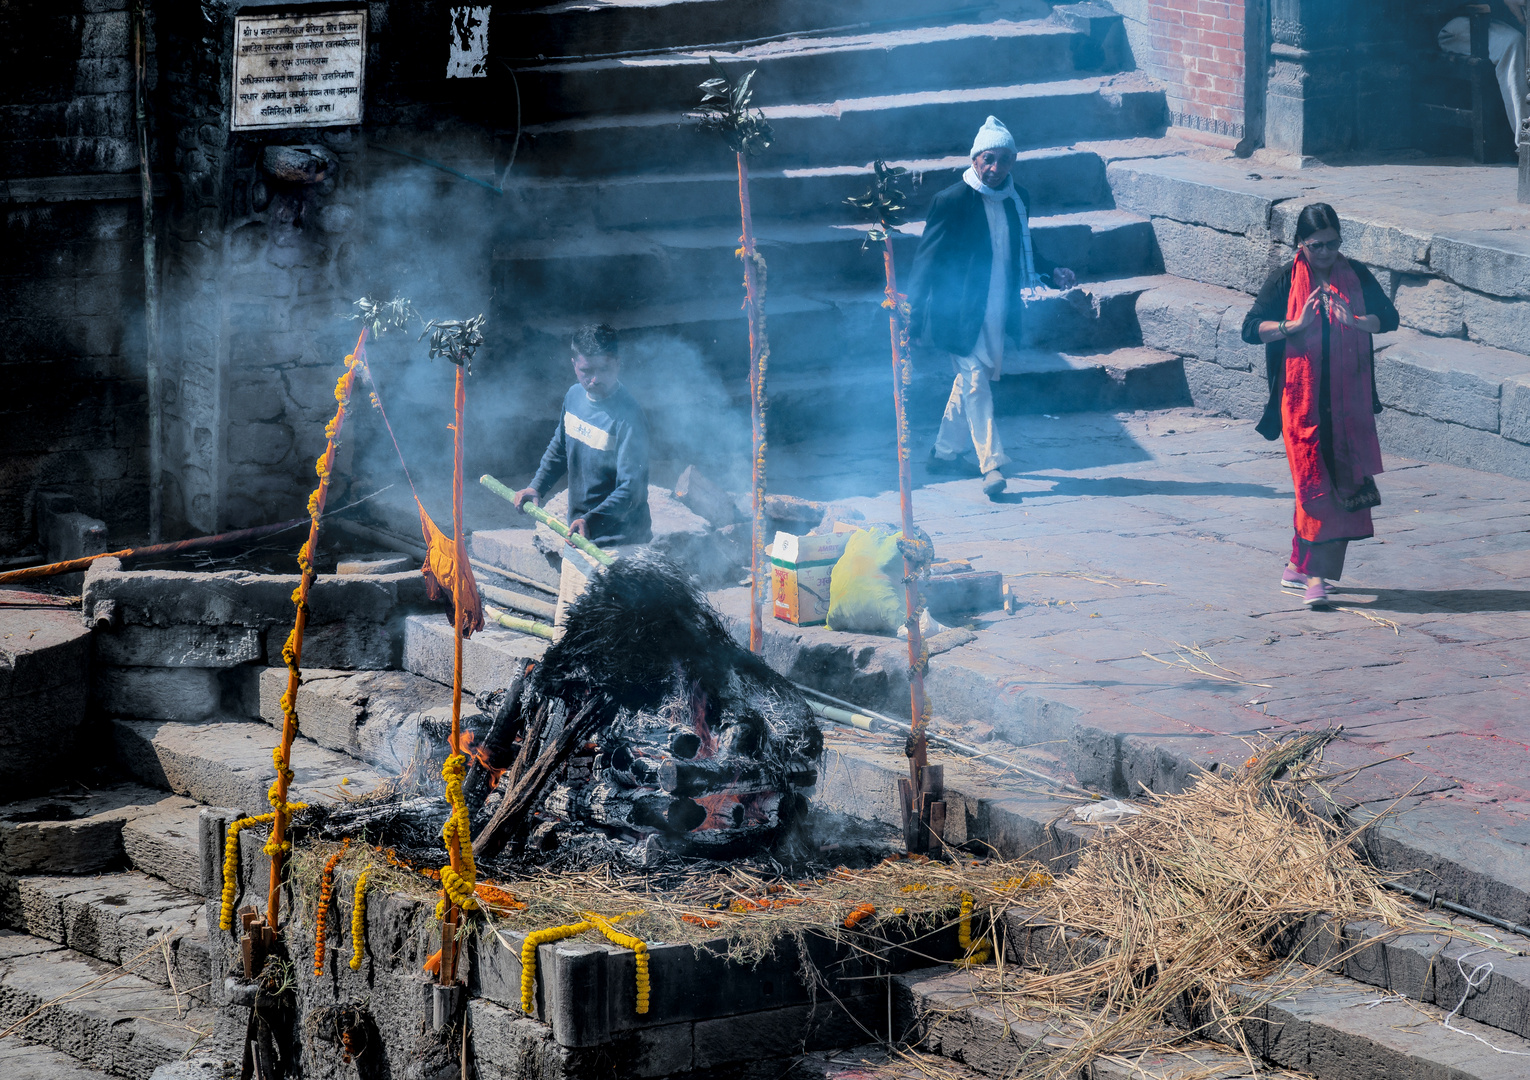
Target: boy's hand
{"x":527,"y":493}
{"x":578,"y":528}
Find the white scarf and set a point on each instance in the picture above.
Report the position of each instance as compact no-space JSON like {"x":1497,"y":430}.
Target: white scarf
{"x":1030,"y":283}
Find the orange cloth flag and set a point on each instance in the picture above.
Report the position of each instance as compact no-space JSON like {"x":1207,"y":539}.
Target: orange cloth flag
{"x":440,"y":571}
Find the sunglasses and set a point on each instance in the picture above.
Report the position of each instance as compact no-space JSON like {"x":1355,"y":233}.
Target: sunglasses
{"x":1321,"y":245}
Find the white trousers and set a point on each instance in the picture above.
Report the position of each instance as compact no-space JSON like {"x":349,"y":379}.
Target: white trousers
{"x":969,"y":417}
{"x":1506,"y":50}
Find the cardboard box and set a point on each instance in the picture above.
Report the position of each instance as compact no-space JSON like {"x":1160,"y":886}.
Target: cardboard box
{"x":800,"y":570}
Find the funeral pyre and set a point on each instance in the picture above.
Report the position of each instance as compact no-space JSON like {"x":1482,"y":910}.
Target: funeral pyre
{"x":645,"y":731}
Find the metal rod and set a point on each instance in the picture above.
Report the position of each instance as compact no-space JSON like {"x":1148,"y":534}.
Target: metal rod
{"x":438,"y":165}
{"x":150,"y":276}
{"x":523,"y":626}
{"x":1433,"y":900}
{"x":69,"y":566}
{"x":758,"y":564}
{"x":398,"y":543}
{"x":868,"y":715}
{"x":536,"y":513}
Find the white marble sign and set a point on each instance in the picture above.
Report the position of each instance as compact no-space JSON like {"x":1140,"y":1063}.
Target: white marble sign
{"x":299,"y":71}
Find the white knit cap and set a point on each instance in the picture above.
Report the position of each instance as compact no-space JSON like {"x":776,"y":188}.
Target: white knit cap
{"x":993,"y":135}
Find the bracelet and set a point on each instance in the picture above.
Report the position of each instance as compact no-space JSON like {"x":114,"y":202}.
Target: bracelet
{"x":1283,"y":331}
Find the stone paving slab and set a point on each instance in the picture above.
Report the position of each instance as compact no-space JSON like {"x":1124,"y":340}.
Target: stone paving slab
{"x":152,"y":929}
{"x":23,"y":1058}
{"x":104,"y":1018}
{"x":1153,"y":638}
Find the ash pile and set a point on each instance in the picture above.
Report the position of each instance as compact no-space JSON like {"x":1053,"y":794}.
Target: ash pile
{"x":645,"y":732}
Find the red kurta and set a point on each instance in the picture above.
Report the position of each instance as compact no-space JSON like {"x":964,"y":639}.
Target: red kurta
{"x":1354,"y":450}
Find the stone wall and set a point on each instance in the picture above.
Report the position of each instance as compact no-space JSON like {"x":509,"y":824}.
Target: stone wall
{"x":72,"y":417}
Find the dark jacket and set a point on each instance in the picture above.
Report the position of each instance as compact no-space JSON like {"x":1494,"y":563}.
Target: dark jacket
{"x":1270,"y":306}
{"x":603,"y":446}
{"x":948,"y":288}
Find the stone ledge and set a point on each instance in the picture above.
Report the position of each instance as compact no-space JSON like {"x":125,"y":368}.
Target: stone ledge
{"x":1445,"y":378}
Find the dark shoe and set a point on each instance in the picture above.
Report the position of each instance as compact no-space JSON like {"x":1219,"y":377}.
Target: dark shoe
{"x":957,"y":466}
{"x":993,"y":483}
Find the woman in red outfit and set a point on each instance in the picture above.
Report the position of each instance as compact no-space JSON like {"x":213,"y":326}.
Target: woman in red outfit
{"x":1315,"y":318}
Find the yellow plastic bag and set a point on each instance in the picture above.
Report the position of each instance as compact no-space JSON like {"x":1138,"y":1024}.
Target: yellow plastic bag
{"x":866,"y":588}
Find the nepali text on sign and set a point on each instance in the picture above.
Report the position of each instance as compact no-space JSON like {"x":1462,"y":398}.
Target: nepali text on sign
{"x":297,"y":72}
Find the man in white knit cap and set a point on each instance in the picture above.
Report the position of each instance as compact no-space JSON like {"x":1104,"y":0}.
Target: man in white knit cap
{"x":974,"y":265}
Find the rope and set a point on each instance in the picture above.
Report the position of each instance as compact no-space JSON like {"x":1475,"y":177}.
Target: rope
{"x":1474,"y":980}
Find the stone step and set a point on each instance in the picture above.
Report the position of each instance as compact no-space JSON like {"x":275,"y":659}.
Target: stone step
{"x":21,"y":1057}
{"x":635,"y":268}
{"x":107,"y":829}
{"x":927,"y":123}
{"x":1058,"y":180}
{"x":490,"y":658}
{"x":385,"y":718}
{"x":128,"y":919}
{"x":44,"y":681}
{"x":99,"y":1015}
{"x":228,"y":763}
{"x":1451,"y":273}
{"x":849,"y":329}
{"x":944,"y":1012}
{"x":823,"y":68}
{"x":1448,"y":400}
{"x":584,"y":29}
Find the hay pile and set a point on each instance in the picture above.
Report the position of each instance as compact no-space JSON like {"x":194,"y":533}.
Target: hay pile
{"x":1168,"y":909}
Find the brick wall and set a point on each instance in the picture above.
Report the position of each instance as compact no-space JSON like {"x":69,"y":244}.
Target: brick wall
{"x":1195,"y":47}
{"x":72,"y":414}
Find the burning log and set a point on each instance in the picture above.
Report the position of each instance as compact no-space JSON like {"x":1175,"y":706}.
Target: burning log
{"x":712,"y":776}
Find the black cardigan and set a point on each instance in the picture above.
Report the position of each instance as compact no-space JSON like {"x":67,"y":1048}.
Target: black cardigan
{"x":1270,"y":306}
{"x":948,"y":287}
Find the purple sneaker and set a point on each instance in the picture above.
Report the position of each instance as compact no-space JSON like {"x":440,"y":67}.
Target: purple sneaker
{"x":1293,"y":579}
{"x":1316,"y":595}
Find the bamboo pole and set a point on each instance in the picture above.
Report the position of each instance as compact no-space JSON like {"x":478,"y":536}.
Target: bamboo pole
{"x":758,"y":568}
{"x":536,"y":513}
{"x":453,"y":838}
{"x":277,"y":846}
{"x":71,"y":566}
{"x":918,"y":750}
{"x":522,"y":626}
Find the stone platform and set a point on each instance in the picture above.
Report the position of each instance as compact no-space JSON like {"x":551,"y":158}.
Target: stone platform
{"x":1153,"y":638}
{"x":1447,"y":241}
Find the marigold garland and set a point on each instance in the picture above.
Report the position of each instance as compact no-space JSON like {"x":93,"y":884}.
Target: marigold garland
{"x":231,"y":866}
{"x":975,"y":952}
{"x":458,"y":888}
{"x":277,"y":845}
{"x":860,"y":914}
{"x":529,"y":955}
{"x":321,"y":913}
{"x":359,"y":921}
{"x":627,"y":941}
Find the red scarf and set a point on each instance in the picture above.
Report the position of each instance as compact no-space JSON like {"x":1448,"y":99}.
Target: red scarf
{"x":1356,"y":450}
